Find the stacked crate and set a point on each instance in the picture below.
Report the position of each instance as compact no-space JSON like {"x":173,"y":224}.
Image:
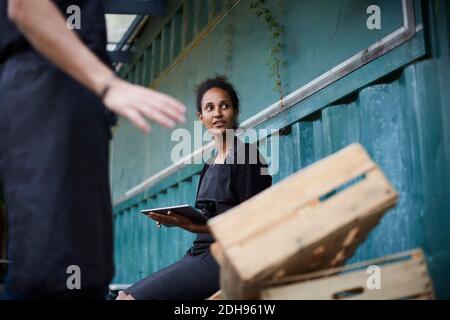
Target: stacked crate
{"x":313,"y":220}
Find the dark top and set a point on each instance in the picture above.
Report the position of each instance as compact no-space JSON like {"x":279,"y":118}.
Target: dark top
{"x":54,"y":173}
{"x":92,"y":31}
{"x":223,"y":186}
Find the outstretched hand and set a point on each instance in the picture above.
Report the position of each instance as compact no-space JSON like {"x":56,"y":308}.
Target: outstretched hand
{"x":138,"y":104}
{"x":44,"y":26}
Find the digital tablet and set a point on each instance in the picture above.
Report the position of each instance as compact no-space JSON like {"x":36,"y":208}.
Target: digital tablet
{"x":186,"y":210}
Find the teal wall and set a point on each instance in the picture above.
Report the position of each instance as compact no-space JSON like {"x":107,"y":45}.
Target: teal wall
{"x":307,"y":55}
{"x":397,"y":106}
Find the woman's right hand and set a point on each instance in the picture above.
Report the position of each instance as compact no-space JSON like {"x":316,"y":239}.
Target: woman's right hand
{"x":138,"y":103}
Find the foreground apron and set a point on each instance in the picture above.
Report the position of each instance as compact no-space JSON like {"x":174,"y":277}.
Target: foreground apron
{"x":54,"y":137}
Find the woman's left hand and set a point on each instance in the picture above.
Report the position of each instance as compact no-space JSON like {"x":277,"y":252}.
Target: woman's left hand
{"x":172,"y":218}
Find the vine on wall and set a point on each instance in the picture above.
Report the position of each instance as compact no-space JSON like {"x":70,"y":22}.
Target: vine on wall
{"x":229,"y":40}
{"x":276,"y":31}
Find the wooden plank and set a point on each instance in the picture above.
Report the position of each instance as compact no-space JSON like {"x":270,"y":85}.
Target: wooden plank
{"x":217,"y":253}
{"x":304,"y":187}
{"x":216,"y":296}
{"x":399,"y":280}
{"x":311,"y":232}
{"x":232,"y":286}
{"x":317,"y":237}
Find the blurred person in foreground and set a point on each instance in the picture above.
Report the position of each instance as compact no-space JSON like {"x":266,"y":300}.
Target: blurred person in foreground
{"x":57,"y":96}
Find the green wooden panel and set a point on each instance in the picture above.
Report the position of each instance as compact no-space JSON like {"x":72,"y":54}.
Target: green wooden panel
{"x":136,"y":245}
{"x":429,"y":109}
{"x":153,"y":243}
{"x":213,"y":8}
{"x":437,"y":178}
{"x":285,"y":158}
{"x":173,"y":245}
{"x":201,"y":14}
{"x":147,"y":229}
{"x":165,"y":45}
{"x":144,"y":248}
{"x":156,"y":56}
{"x":383,"y":135}
{"x":306,"y":128}
{"x":118,"y":247}
{"x":397,"y":107}
{"x":139,"y":72}
{"x":126,"y":256}
{"x":147,"y":66}
{"x":186,"y":194}
{"x":161,"y":200}
{"x":188,"y":23}
{"x":177,"y":31}
{"x":250,"y":73}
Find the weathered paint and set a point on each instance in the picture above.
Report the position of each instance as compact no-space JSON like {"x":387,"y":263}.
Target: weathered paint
{"x":397,"y":106}
{"x":305,"y":58}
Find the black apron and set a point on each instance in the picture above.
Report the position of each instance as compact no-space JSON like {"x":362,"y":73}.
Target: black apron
{"x":196,"y":275}
{"x":214,"y":197}
{"x":54,"y":137}
{"x":221,"y":187}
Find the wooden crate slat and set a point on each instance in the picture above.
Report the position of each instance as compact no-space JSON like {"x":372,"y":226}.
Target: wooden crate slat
{"x":299,"y":190}
{"x":217,"y":253}
{"x":216,"y":296}
{"x":304,"y":230}
{"x":399,"y":280}
{"x":292,"y":228}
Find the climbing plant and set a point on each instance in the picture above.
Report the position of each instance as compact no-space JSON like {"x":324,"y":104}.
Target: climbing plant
{"x":229,"y":40}
{"x":276,"y":30}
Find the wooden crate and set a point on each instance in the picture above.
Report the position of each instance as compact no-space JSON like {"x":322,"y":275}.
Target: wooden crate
{"x":299,"y":225}
{"x":216,"y":296}
{"x":401,"y":276}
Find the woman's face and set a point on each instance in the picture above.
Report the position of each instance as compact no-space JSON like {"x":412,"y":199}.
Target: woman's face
{"x":218,"y":113}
